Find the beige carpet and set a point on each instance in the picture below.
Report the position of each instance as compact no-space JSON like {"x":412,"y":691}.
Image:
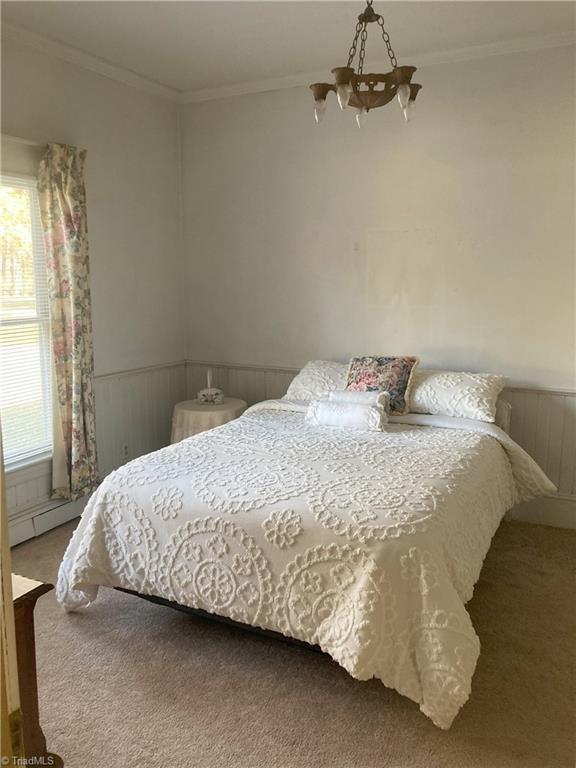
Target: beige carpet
{"x":128,"y":683}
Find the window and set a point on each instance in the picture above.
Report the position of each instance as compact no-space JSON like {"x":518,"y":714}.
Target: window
{"x":25,"y":362}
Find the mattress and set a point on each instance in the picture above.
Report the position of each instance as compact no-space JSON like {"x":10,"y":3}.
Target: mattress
{"x":366,"y":543}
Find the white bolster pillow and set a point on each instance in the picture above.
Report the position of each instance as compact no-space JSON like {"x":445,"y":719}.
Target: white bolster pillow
{"x":349,"y":415}
{"x":374,"y":397}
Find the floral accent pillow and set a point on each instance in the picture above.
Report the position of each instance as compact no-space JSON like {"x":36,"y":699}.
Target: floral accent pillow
{"x":455,"y":393}
{"x":390,"y":374}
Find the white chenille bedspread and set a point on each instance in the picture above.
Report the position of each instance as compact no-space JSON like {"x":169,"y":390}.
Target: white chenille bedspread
{"x":366,"y":543}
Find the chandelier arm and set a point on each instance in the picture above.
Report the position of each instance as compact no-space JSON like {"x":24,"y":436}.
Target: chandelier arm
{"x":386,"y":38}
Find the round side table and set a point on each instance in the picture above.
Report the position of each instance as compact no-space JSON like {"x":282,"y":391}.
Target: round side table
{"x":191,"y":417}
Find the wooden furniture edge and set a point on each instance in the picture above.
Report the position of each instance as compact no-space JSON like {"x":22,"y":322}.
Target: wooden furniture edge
{"x":35,"y":747}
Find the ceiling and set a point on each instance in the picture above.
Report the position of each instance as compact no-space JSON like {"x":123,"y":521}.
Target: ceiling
{"x":195,"y":46}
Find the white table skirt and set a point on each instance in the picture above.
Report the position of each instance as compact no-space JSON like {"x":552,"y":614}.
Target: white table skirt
{"x":192,"y":417}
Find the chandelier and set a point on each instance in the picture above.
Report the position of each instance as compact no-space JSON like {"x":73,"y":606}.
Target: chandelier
{"x":355,"y":89}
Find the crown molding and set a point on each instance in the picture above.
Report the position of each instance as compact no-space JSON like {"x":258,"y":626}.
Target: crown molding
{"x":85,"y":60}
{"x":252,"y":86}
{"x":95,"y":64}
{"x":518,"y":45}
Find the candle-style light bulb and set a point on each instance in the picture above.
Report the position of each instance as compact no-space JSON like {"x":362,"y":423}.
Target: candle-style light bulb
{"x":343,"y":93}
{"x":409,"y":110}
{"x":403,"y":93}
{"x":209,"y":378}
{"x":319,"y":110}
{"x":361,"y":117}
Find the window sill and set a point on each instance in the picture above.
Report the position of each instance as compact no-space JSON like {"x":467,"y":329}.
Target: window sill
{"x":32,"y":461}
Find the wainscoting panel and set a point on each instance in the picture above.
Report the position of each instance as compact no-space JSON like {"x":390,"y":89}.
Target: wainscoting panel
{"x":543,"y":423}
{"x":248,"y":382}
{"x":134,"y":412}
{"x":28,"y":486}
{"x":133,"y":417}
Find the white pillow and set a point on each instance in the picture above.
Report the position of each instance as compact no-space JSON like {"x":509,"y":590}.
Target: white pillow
{"x":328,"y":413}
{"x":316,"y":379}
{"x":458,"y":394}
{"x":371,"y":397}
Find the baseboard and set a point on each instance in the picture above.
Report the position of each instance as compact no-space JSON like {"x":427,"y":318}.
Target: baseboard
{"x":558,"y":511}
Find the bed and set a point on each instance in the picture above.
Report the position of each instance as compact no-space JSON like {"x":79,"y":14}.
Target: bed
{"x":366,"y":544}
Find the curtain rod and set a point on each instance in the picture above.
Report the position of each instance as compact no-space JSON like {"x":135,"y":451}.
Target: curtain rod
{"x":18,"y":140}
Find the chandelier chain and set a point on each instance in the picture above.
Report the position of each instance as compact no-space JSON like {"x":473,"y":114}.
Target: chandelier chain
{"x":363,"y":37}
{"x":386,"y":38}
{"x":352,"y":51}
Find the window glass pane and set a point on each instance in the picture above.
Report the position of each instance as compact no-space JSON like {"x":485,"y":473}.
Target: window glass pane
{"x":25,"y":370}
{"x":25,"y":426}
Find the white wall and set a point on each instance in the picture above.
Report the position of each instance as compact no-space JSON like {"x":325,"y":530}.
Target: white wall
{"x":451,"y":237}
{"x":132,"y":172}
{"x":132,"y":189}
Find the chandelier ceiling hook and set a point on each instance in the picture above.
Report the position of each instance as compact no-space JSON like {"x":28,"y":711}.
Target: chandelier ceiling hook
{"x":369,"y":15}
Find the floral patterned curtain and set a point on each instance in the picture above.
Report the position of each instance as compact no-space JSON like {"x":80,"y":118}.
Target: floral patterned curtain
{"x":63,"y":210}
